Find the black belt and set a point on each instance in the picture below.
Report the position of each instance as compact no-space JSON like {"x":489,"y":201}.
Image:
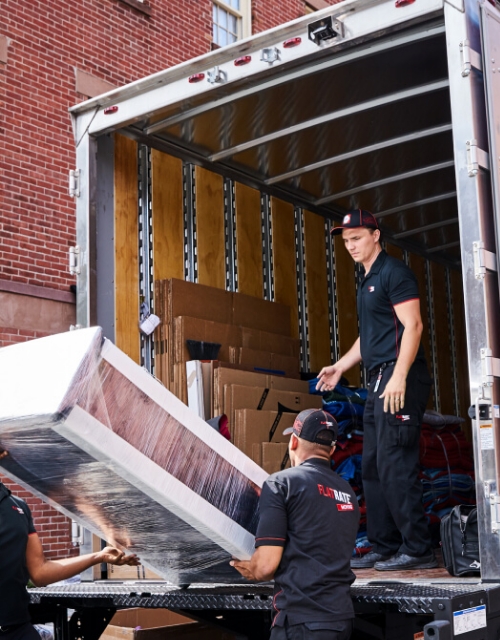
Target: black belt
{"x":381,"y":367}
{"x":11,"y":627}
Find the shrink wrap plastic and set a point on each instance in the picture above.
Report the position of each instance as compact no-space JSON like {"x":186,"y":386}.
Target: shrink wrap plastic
{"x":100,"y":439}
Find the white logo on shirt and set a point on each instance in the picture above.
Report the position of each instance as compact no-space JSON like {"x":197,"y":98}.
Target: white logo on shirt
{"x":371,"y":289}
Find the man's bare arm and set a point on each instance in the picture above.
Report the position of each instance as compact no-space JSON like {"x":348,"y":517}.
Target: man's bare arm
{"x":262,"y":565}
{"x":408,"y":314}
{"x":329,"y":377}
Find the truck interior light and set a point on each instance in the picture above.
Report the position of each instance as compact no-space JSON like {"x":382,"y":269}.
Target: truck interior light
{"x":239,"y":62}
{"x":292,"y":42}
{"x":109,"y":110}
{"x":197,"y":77}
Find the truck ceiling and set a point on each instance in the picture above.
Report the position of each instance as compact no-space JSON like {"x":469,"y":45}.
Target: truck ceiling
{"x":359,"y":119}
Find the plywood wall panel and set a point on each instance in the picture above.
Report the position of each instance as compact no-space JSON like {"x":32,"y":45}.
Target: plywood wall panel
{"x":210,"y":228}
{"x":394,"y":251}
{"x":417,"y":265}
{"x":462,"y":359}
{"x":443,"y":342}
{"x":346,"y":304}
{"x":168,"y":216}
{"x":284,"y":261}
{"x":126,"y":248}
{"x":249,"y":241}
{"x":316,"y":291}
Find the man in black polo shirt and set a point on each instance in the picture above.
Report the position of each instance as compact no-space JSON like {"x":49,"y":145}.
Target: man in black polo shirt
{"x":305,"y":537}
{"x":399,"y":385}
{"x":22,"y":558}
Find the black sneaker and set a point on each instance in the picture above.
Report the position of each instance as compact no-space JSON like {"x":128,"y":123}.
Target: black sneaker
{"x":368,"y":561}
{"x":402,"y":561}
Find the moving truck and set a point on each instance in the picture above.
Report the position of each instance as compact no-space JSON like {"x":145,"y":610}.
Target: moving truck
{"x":230,"y":169}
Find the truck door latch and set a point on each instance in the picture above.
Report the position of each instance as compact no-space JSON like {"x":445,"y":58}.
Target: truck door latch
{"x":483,"y":260}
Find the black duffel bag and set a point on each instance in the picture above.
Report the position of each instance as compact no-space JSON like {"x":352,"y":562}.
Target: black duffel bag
{"x":460,"y":541}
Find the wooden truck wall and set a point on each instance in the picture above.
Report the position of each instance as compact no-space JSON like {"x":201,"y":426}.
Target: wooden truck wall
{"x":325,"y":336}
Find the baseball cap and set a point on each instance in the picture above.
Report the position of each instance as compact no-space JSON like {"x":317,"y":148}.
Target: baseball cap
{"x":314,"y":425}
{"x":354,"y":219}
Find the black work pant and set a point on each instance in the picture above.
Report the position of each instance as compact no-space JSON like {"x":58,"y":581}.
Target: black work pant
{"x":20,"y":632}
{"x":340,"y":630}
{"x":390,"y":466}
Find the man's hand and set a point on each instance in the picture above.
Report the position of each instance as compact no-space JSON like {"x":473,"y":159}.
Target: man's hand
{"x":328,"y":378}
{"x":243,"y":567}
{"x":3,"y":453}
{"x":111,"y":555}
{"x":394,"y":393}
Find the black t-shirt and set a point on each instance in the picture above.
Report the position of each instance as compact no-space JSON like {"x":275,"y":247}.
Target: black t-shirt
{"x":388,"y":283}
{"x":311,"y":512}
{"x":16,"y":524}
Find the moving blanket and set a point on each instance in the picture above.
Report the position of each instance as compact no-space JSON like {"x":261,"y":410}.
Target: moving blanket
{"x":99,"y":438}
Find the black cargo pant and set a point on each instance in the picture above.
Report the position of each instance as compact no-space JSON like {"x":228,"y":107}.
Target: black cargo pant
{"x":390,"y":466}
{"x":340,"y":630}
{"x":19,"y":632}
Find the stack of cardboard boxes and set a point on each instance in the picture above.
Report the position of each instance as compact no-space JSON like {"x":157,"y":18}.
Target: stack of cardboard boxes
{"x":255,"y":380}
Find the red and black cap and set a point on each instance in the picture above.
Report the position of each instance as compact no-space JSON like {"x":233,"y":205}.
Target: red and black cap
{"x":314,"y":425}
{"x":355,"y":219}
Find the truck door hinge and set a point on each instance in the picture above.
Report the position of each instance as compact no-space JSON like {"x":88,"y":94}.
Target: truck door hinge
{"x":216,"y":76}
{"x":74,"y":183}
{"x":483,"y":260}
{"x":476,"y":158}
{"x":74,"y":260}
{"x":470,"y":58}
{"x":490,"y":367}
{"x":270,"y":55}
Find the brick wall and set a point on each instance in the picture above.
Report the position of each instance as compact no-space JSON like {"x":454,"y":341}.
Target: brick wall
{"x":42,"y":43}
{"x":53,"y":528}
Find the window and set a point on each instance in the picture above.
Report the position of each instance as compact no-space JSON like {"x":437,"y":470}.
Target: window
{"x":231,"y":21}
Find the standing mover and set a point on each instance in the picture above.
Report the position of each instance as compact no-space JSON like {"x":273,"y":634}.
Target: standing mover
{"x":305,"y":537}
{"x":22,"y":557}
{"x":390,"y":328}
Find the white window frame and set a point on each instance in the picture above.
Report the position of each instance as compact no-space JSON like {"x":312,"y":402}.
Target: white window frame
{"x":244,"y":16}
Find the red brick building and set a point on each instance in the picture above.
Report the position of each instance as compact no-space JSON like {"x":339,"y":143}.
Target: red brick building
{"x":53,"y":55}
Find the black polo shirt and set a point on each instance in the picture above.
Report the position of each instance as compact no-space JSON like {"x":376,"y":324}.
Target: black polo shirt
{"x":388,"y":283}
{"x":311,"y":512}
{"x":16,"y":524}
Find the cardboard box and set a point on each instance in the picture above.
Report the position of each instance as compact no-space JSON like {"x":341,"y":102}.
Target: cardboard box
{"x":186,"y":328}
{"x":266,"y":341}
{"x":257,"y":453}
{"x":273,"y":456}
{"x":157,"y":624}
{"x":251,"y":426}
{"x":224,"y":374}
{"x":260,"y":314}
{"x":131,"y":573}
{"x":239,"y":397}
{"x":199,"y":301}
{"x":288,"y":365}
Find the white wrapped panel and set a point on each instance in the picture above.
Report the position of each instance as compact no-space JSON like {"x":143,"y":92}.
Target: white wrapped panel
{"x":100,"y":439}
